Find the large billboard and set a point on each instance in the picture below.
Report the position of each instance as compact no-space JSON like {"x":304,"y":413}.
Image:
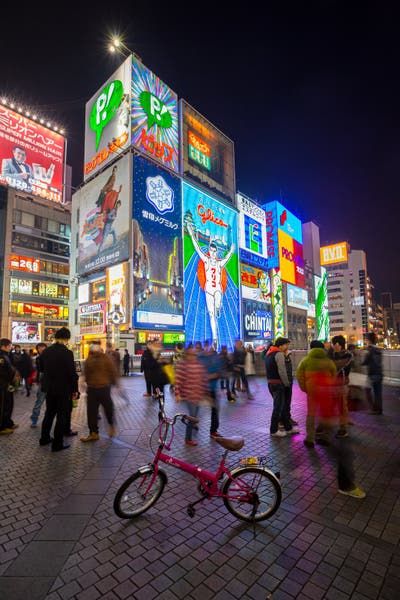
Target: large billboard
{"x":210,"y":269}
{"x":285,"y":242}
{"x":321,"y":306}
{"x":23,"y":332}
{"x":291,"y":260}
{"x":256,"y":284}
{"x":297,"y":297}
{"x":92,"y":318}
{"x":32,"y":156}
{"x":155,"y":123}
{"x":117,"y":293}
{"x":104,"y":205}
{"x":157,"y":248}
{"x":107,"y":121}
{"x":334,"y":254}
{"x":257,"y":321}
{"x":252,"y":233}
{"x":277,"y":303}
{"x":207,"y":155}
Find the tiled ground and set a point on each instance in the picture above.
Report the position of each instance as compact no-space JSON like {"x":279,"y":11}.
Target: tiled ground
{"x":60,"y":539}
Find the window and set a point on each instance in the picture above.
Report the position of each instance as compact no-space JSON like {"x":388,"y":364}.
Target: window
{"x":53,"y":226}
{"x":27,"y":219}
{"x":17,"y":217}
{"x":77,"y":215}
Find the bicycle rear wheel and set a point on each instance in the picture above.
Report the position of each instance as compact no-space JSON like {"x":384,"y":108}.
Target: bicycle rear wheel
{"x":252,"y":494}
{"x":134,"y":498}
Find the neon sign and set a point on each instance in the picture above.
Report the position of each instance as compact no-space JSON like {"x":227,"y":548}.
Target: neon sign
{"x":199,"y":151}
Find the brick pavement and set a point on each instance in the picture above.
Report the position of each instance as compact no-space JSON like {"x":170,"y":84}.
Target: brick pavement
{"x":60,"y":539}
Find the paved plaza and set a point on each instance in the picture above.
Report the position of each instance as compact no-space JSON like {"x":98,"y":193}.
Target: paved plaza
{"x":60,"y":539}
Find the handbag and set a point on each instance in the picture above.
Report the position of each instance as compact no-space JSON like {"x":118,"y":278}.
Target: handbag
{"x":169,"y":371}
{"x":359,"y":380}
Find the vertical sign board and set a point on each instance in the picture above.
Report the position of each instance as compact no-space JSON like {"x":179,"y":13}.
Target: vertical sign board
{"x":207,"y":155}
{"x":252,"y":233}
{"x":154,"y":119}
{"x":104,"y":204}
{"x":257,"y":321}
{"x":277,"y":303}
{"x":210,"y":269}
{"x":117,"y":286}
{"x":321,"y":305}
{"x":157,"y":248}
{"x":107,"y":121}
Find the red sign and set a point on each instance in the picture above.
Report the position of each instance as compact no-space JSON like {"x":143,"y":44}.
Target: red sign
{"x":31,"y":156}
{"x":23,"y":263}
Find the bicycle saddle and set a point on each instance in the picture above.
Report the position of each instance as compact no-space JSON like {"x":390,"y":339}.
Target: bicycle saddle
{"x":233,"y":443}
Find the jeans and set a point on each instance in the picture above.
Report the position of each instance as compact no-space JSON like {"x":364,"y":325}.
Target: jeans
{"x":193,"y":411}
{"x":279,"y":413}
{"x":95,"y":397}
{"x":288,"y":402}
{"x":40,"y":398}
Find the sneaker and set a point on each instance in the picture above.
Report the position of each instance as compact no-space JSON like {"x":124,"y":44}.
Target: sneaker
{"x":112,"y":431}
{"x":190,"y":442}
{"x":308,"y":444}
{"x":92,"y":437}
{"x":6,"y":431}
{"x":342,"y":433}
{"x":215,"y":434}
{"x":280,"y":433}
{"x":293,"y":431}
{"x":357,"y":492}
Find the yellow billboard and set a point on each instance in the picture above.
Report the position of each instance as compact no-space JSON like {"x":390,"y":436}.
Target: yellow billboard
{"x":117,"y":294}
{"x":333,"y":254}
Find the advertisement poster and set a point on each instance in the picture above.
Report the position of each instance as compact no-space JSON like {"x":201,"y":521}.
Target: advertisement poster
{"x":256,"y":284}
{"x":322,"y":325}
{"x":291,"y":260}
{"x":157,"y":251}
{"x":257,"y":321}
{"x":297,"y":297}
{"x":210,"y":269}
{"x":104,"y":205}
{"x":155,"y":124}
{"x":32,"y":156}
{"x":277,"y":303}
{"x":107,"y":121}
{"x":208,"y":156}
{"x":334,"y":254}
{"x":24,"y":263}
{"x":252,"y":233}
{"x":92,"y":318}
{"x":117,"y":294}
{"x":25,"y":332}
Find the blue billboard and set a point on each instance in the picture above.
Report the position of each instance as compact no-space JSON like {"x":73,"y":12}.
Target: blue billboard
{"x":279,"y":218}
{"x":157,"y":248}
{"x":257,"y":321}
{"x":211,"y":269}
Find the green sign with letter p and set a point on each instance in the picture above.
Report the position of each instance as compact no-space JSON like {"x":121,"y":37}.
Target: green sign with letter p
{"x":105,"y":107}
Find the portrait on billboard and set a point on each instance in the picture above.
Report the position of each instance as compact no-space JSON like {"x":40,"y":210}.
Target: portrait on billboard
{"x":256,"y":284}
{"x":155,"y":124}
{"x":107,"y":121}
{"x":117,"y":294}
{"x":31,"y":156}
{"x":23,"y":332}
{"x":104,"y":218}
{"x":211,"y":269}
{"x":157,"y":248}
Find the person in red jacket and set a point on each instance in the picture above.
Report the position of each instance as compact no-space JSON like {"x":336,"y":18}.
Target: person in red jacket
{"x":190,"y":386}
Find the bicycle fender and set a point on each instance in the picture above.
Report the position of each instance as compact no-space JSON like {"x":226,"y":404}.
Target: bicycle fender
{"x":150,"y":469}
{"x":237,"y":469}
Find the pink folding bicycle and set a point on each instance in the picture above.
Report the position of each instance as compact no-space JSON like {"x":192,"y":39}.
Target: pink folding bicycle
{"x":251,"y":492}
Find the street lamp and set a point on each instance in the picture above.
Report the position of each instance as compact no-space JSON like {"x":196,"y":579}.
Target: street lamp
{"x":117,"y":45}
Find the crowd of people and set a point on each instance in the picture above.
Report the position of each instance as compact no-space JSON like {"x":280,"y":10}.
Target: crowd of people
{"x":196,"y":374}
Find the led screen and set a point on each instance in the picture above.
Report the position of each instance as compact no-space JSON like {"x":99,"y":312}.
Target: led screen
{"x":321,"y":306}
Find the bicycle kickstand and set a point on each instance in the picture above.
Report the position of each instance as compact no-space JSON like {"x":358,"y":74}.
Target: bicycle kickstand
{"x":191,"y":511}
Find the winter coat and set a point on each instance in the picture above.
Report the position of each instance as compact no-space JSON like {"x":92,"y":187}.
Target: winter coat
{"x":316,"y":370}
{"x":275,"y":367}
{"x":373,"y":361}
{"x":99,"y":370}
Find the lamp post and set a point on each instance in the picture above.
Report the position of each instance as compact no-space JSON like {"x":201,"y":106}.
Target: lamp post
{"x":117,"y":45}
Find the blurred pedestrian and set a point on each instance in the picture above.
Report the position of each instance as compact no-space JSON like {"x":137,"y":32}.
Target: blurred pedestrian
{"x":373,"y":361}
{"x":60,"y":383}
{"x":145,"y":369}
{"x":239,"y":372}
{"x":213,"y":367}
{"x":127,"y":360}
{"x":190,"y":387}
{"x":40,"y":394}
{"x":22,"y":362}
{"x":250,"y":361}
{"x":155,"y":364}
{"x":226,"y":372}
{"x":8,"y":379}
{"x":278,"y":380}
{"x":343,"y":361}
{"x":100,"y":374}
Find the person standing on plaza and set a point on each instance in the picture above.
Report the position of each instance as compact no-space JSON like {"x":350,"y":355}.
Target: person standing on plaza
{"x":8,"y":377}
{"x":226,"y":372}
{"x":278,"y":380}
{"x":22,"y":362}
{"x":343,"y":361}
{"x":213,"y":367}
{"x":190,"y":387}
{"x":289,"y":390}
{"x":155,"y":364}
{"x":239,"y":371}
{"x":40,"y":394}
{"x":315,"y":374}
{"x":100,"y":374}
{"x":127,"y":360}
{"x":250,"y":361}
{"x":60,"y":383}
{"x":145,"y":369}
{"x":373,"y":361}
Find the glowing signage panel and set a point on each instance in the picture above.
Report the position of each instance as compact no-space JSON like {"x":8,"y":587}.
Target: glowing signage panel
{"x":336,"y":253}
{"x":210,"y":269}
{"x":117,"y":294}
{"x":24,"y":263}
{"x":321,"y":306}
{"x":92,"y":318}
{"x":25,"y":332}
{"x":256,"y":284}
{"x":291,"y":260}
{"x":297,"y":297}
{"x":277,"y":303}
{"x":257,"y":322}
{"x":252,"y":233}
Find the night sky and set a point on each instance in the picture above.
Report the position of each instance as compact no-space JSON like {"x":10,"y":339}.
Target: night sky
{"x":308,"y":91}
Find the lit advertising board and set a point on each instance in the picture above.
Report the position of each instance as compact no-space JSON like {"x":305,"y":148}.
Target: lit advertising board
{"x":107,"y":121}
{"x":41,"y":311}
{"x":104,"y":205}
{"x":257,"y":322}
{"x":117,"y":287}
{"x":24,"y":263}
{"x":252,"y":233}
{"x":291,"y":260}
{"x":49,"y":333}
{"x":297,"y":297}
{"x":83,"y":293}
{"x":173,"y":338}
{"x":333,"y":254}
{"x":321,"y":306}
{"x":311,"y":310}
{"x":256,"y":284}
{"x":277,"y":303}
{"x":288,"y":223}
{"x":32,"y":156}
{"x":38,"y":288}
{"x":210,"y":269}
{"x":157,"y":248}
{"x":271,"y":225}
{"x":155,"y":124}
{"x":92,"y":318}
{"x":207,"y":155}
{"x":25,"y":332}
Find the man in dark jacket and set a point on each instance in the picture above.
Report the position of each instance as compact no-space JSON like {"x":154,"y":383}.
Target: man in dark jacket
{"x":145,"y":368}
{"x":40,"y":394}
{"x":343,"y":361}
{"x":373,"y":361}
{"x":8,"y":375}
{"x":239,"y":361}
{"x":60,"y":382}
{"x":278,"y":381}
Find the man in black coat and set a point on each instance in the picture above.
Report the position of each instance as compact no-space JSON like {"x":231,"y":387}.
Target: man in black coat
{"x":373,"y":361}
{"x":8,"y":376}
{"x":60,"y":382}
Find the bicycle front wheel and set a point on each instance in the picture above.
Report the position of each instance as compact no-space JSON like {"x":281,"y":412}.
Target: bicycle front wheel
{"x":252,"y":494}
{"x":139,"y":493}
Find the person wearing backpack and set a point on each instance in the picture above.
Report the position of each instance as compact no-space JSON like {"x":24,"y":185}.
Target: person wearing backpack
{"x":373,"y":360}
